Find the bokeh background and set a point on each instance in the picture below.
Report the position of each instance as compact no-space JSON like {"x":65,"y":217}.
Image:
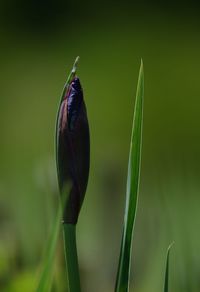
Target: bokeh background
{"x":39,"y":42}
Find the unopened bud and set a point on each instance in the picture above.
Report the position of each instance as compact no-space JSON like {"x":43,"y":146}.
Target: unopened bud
{"x":73,"y":148}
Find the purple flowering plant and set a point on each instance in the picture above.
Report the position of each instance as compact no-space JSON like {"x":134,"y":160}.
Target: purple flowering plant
{"x":73,"y":161}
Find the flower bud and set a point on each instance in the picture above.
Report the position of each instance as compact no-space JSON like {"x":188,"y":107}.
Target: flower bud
{"x":73,"y":148}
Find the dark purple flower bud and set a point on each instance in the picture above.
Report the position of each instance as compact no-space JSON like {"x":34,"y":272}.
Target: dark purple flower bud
{"x":73,"y":149}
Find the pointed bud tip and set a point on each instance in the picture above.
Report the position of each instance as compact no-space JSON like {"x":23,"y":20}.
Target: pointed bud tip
{"x":141,"y":65}
{"x":170,"y":246}
{"x":75,"y":64}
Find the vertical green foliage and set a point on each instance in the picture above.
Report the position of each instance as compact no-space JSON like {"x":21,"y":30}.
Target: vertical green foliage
{"x":71,"y":258}
{"x":166,"y":284}
{"x":46,"y":275}
{"x":122,"y":281}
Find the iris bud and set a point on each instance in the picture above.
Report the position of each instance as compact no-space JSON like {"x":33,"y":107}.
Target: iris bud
{"x":73,"y":148}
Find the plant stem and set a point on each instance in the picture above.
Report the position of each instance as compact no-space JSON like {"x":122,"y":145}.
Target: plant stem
{"x":71,"y":258}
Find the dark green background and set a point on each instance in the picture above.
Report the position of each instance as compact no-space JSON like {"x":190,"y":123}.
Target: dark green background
{"x":39,"y":42}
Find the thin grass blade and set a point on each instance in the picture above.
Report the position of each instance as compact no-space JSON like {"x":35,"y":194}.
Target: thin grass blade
{"x":166,"y":284}
{"x":122,"y":281}
{"x":45,"y":281}
{"x":46,"y":275}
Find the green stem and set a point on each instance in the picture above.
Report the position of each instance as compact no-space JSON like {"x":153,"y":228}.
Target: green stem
{"x":71,"y":258}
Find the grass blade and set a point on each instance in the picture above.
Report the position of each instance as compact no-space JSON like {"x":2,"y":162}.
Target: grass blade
{"x":46,"y":275}
{"x":166,"y":285}
{"x":122,"y":281}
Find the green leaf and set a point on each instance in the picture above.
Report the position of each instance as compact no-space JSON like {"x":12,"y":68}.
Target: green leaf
{"x":122,"y":281}
{"x":48,"y":261}
{"x":46,"y":275}
{"x":167,"y":270}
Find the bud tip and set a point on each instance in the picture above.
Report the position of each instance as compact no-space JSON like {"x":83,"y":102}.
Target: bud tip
{"x":141,"y":64}
{"x":75,"y":65}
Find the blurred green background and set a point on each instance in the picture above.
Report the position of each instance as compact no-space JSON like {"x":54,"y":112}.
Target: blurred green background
{"x":39,"y":42}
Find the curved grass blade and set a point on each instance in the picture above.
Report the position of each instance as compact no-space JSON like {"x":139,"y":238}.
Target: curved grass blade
{"x":166,"y":285}
{"x":122,"y":281}
{"x":46,"y":275}
{"x":47,"y":268}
